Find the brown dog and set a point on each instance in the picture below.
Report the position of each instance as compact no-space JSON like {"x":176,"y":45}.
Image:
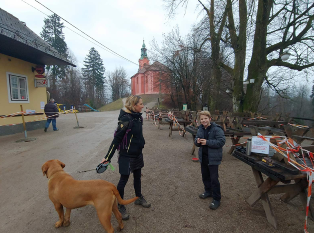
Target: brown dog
{"x":65,"y":191}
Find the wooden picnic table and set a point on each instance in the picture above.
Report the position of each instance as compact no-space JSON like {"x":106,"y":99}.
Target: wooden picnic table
{"x":280,"y":172}
{"x":235,"y":137}
{"x":275,"y":124}
{"x":176,"y":128}
{"x":267,"y":131}
{"x":162,"y":116}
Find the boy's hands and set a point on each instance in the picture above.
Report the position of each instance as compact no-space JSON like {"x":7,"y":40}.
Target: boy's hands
{"x":202,"y":141}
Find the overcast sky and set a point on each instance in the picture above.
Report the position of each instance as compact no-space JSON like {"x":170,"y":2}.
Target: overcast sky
{"x":121,"y":25}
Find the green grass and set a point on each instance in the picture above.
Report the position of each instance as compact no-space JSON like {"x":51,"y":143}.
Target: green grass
{"x":116,"y":105}
{"x":162,"y":106}
{"x":150,"y":98}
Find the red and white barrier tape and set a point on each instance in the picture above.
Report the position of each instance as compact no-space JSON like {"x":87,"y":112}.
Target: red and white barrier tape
{"x":301,"y":167}
{"x":43,"y":118}
{"x":12,"y":114}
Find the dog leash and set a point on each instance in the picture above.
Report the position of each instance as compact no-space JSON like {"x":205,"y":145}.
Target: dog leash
{"x":87,"y":170}
{"x":100,"y":168}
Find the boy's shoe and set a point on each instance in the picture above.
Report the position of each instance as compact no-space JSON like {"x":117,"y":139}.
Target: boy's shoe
{"x":45,"y":129}
{"x":123,"y":212}
{"x":56,"y":130}
{"x":214,"y":205}
{"x":141,"y":201}
{"x":205,"y":195}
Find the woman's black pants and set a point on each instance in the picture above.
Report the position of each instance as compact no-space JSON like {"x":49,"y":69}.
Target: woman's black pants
{"x":137,"y":183}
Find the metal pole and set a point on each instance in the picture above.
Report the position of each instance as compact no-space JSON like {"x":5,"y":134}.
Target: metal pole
{"x":78,"y":125}
{"x":24,"y":125}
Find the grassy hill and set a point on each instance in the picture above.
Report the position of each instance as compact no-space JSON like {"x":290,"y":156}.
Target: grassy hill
{"x":116,"y":105}
{"x":150,"y":98}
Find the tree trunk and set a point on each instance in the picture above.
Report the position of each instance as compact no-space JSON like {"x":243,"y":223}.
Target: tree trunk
{"x":53,"y":88}
{"x":216,"y":75}
{"x":239,"y":47}
{"x":238,"y":73}
{"x":258,"y":65}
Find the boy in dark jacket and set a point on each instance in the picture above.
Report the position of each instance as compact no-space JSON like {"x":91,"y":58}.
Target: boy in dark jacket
{"x":51,"y":112}
{"x":210,"y":138}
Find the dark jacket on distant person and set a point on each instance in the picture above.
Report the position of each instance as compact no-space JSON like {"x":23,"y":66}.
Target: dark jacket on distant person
{"x":50,"y":110}
{"x":215,"y":140}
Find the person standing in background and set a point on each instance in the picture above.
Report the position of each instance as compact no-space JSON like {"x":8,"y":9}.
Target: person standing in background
{"x":51,"y":112}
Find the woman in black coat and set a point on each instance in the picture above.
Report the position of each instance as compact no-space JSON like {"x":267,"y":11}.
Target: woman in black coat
{"x":129,"y":140}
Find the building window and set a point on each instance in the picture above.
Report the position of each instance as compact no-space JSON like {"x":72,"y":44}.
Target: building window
{"x":17,"y":88}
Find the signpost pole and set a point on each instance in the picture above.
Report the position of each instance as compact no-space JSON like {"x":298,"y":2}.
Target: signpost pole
{"x":24,"y":125}
{"x":78,"y":125}
{"x":26,"y":139}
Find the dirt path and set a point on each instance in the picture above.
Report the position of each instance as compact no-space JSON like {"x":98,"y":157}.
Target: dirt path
{"x":171,"y":182}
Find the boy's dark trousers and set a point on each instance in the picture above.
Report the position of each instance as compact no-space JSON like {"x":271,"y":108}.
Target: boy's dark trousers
{"x":210,"y":178}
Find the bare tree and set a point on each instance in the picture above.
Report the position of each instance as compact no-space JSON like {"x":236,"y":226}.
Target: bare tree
{"x":188,"y":67}
{"x":119,"y":84}
{"x":268,"y":28}
{"x":216,"y":16}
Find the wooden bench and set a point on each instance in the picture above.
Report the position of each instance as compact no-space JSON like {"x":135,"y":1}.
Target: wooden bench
{"x":162,"y":116}
{"x":183,"y":119}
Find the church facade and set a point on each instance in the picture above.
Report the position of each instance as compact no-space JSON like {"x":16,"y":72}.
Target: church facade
{"x":150,"y":79}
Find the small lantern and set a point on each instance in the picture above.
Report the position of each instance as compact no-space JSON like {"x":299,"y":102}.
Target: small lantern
{"x":285,"y":56}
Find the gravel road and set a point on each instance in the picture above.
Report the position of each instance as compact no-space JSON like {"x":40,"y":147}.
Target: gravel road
{"x":170,"y":181}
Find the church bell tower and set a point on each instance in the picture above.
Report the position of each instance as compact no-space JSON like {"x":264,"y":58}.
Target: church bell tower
{"x":144,"y":59}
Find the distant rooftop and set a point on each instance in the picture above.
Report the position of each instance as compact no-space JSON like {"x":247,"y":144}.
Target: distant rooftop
{"x":156,"y":66}
{"x":17,"y":40}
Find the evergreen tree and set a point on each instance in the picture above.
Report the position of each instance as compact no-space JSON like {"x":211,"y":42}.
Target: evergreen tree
{"x":93,"y":73}
{"x":52,"y":33}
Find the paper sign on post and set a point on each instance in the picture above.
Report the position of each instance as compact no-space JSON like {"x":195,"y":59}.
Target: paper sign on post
{"x":259,"y":145}
{"x":42,"y":105}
